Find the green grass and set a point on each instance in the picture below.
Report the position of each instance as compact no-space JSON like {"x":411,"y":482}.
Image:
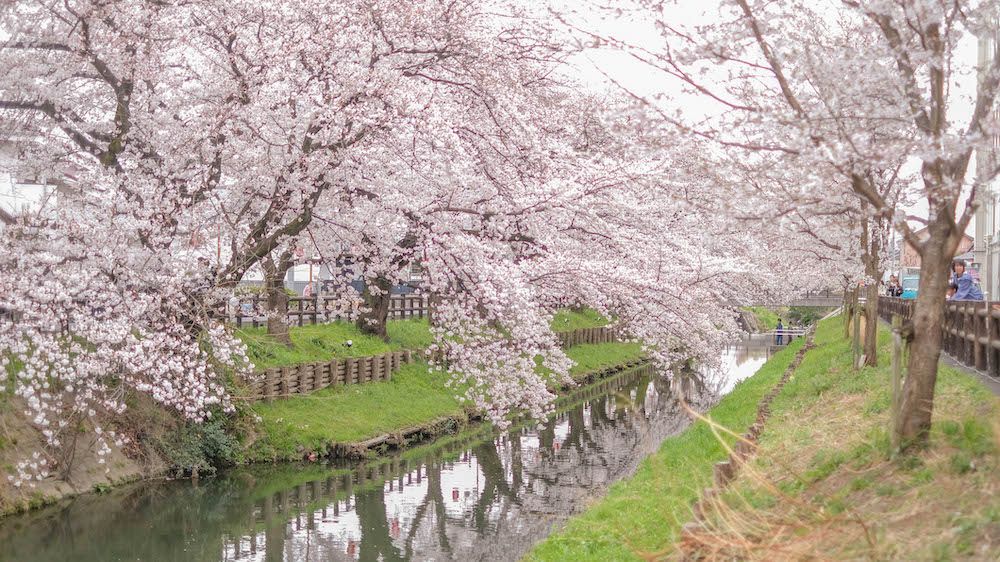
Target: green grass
{"x":569,"y":320}
{"x":767,"y":318}
{"x":644,"y":513}
{"x":839,"y":454}
{"x":322,"y":342}
{"x":414,"y":396}
{"x":599,"y":356}
{"x":346,"y":414}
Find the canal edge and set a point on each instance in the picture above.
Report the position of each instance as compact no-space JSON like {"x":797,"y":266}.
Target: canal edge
{"x":742,"y":451}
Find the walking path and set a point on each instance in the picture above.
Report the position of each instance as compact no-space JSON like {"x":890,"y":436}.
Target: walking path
{"x":988,"y":381}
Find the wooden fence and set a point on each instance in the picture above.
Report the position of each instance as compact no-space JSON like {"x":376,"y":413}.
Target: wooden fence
{"x":971,"y":330}
{"x":318,"y":309}
{"x":579,"y":336}
{"x":281,"y":382}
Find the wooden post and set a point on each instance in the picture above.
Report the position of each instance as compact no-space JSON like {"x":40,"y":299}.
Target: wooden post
{"x":304,"y":369}
{"x":321,"y":376}
{"x":991,"y":353}
{"x":334,"y":367}
{"x":847,"y":314}
{"x":286,"y":373}
{"x":366,"y":369}
{"x":980,"y":336}
{"x":897,"y":375}
{"x":270,"y":379}
{"x":351,"y":375}
{"x":856,"y":345}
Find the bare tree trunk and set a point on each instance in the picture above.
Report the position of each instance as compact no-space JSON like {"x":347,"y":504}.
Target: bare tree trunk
{"x":917,"y":401}
{"x":374,"y":320}
{"x":277,"y":298}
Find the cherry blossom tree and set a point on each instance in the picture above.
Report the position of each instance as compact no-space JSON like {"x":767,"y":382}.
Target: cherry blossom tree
{"x":854,"y":88}
{"x":439,"y":133}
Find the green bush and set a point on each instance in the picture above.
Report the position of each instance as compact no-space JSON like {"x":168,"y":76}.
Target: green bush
{"x":204,"y":447}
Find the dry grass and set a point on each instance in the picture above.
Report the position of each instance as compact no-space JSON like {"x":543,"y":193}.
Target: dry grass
{"x":824,"y":485}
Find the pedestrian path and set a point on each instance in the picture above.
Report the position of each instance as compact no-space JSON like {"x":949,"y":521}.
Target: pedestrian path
{"x":988,"y":381}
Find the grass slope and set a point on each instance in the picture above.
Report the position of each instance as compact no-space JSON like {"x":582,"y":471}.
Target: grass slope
{"x":825,"y":486}
{"x":322,"y":342}
{"x":766,"y":318}
{"x":599,"y":356}
{"x":644,"y":513}
{"x":414,"y":396}
{"x":345,"y":414}
{"x":569,"y":320}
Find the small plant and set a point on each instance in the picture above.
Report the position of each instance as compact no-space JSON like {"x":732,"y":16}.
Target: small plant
{"x":861,"y":483}
{"x":961,"y":463}
{"x":101,"y":488}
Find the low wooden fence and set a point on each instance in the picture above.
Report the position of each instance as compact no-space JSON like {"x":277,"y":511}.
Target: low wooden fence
{"x":579,"y":336}
{"x":971,"y":330}
{"x":318,"y":309}
{"x":281,"y":382}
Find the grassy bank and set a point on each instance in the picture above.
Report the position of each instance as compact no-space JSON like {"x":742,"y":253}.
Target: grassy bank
{"x":569,"y":320}
{"x":823,"y":484}
{"x":642,"y":514}
{"x":414,"y":396}
{"x":322,"y":342}
{"x":767,"y":319}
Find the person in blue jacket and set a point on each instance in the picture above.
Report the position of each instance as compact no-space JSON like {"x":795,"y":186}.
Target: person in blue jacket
{"x":779,"y":332}
{"x":967,"y":289}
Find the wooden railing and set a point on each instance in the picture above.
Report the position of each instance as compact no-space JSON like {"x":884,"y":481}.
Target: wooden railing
{"x":318,"y":309}
{"x":971,"y":330}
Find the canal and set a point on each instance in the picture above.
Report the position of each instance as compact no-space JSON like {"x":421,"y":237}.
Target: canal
{"x":475,"y":495}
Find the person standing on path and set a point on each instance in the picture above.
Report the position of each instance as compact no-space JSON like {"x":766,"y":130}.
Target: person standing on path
{"x":778,"y":332}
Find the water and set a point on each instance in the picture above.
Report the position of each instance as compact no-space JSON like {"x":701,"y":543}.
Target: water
{"x":473,"y":496}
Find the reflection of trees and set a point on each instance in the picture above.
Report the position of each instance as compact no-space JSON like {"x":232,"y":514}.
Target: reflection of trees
{"x":516,"y":485}
{"x":494,"y":485}
{"x":376,"y":544}
{"x":435,"y":498}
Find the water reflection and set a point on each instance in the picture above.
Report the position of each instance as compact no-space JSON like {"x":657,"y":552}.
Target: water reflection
{"x":476,"y":497}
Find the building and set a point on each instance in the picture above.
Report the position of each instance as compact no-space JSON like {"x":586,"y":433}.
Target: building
{"x":909,"y":259}
{"x":987,"y":247}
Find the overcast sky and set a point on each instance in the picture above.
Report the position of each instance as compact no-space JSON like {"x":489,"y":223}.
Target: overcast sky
{"x":603,"y":67}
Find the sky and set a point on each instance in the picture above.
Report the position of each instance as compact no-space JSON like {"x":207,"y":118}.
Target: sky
{"x":613,"y":69}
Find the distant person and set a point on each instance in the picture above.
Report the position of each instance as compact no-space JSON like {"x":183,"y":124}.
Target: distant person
{"x":894,"y":289}
{"x":967,"y":289}
{"x":779,"y":332}
{"x":308,"y":291}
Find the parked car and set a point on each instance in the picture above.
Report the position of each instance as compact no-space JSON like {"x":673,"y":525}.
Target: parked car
{"x":910,"y":285}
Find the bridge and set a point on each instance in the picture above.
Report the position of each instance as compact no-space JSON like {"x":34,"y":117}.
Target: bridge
{"x":818,"y":299}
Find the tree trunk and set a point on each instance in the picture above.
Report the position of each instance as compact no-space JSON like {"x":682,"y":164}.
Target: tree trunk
{"x":277,"y":298}
{"x":917,"y":402}
{"x":373,"y":321}
{"x":872,"y":230}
